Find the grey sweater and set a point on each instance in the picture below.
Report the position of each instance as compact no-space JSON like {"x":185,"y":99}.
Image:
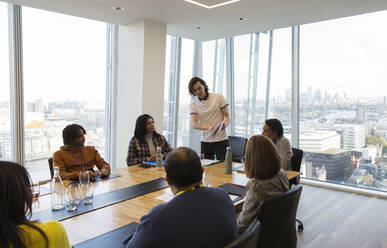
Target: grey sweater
{"x":257,"y":191}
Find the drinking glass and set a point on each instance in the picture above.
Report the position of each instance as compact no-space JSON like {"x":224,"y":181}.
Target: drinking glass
{"x":207,"y":179}
{"x":88,"y":191}
{"x":73,"y":194}
{"x":84,"y":177}
{"x":35,"y":188}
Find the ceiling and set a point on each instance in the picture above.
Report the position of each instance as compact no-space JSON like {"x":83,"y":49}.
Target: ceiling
{"x":183,"y":18}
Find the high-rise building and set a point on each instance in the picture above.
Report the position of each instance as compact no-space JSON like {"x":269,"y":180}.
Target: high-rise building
{"x":335,"y":162}
{"x":319,"y":140}
{"x":351,"y":136}
{"x":361,"y":113}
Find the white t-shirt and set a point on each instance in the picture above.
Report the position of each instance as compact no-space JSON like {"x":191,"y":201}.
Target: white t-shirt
{"x":210,"y":112}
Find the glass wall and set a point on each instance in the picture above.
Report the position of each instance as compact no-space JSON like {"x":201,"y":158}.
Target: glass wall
{"x":343,"y":100}
{"x":281,"y":78}
{"x":168,"y":115}
{"x":5,"y":119}
{"x":64,"y":83}
{"x":186,"y":67}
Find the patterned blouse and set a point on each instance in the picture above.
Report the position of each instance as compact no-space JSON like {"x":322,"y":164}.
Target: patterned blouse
{"x":139,"y":150}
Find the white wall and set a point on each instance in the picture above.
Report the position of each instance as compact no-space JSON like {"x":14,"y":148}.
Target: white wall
{"x":141,"y":68}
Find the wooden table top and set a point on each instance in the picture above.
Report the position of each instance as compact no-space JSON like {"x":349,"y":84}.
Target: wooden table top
{"x":97,"y":222}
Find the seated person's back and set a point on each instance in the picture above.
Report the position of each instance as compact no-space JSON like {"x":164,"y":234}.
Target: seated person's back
{"x":55,"y":232}
{"x":16,"y":228}
{"x":196,"y":217}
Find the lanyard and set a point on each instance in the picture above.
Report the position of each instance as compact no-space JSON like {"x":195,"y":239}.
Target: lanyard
{"x":79,"y":163}
{"x":190,"y":189}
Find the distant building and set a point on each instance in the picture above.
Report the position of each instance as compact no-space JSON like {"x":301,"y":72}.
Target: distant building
{"x":318,"y":140}
{"x":5,"y":145}
{"x":335,"y":162}
{"x":361,"y":113}
{"x":351,"y":136}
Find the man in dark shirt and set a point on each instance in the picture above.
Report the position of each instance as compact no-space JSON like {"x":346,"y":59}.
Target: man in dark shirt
{"x":197,"y":216}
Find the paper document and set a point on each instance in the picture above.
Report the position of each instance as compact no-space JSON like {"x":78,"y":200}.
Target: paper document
{"x":216,"y":130}
{"x":208,"y":162}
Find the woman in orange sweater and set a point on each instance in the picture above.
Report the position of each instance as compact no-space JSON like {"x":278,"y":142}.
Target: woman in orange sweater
{"x":16,"y":228}
{"x":74,"y":156}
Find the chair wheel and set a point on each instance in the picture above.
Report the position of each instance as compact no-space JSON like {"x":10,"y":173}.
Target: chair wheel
{"x":300,"y":227}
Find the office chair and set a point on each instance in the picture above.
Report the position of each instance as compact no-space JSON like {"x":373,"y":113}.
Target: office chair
{"x":51,"y":168}
{"x":296,"y":166}
{"x":277,"y":216}
{"x":238,"y":145}
{"x":249,"y":238}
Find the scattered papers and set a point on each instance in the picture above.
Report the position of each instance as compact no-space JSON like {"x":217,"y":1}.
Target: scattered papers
{"x":208,"y":162}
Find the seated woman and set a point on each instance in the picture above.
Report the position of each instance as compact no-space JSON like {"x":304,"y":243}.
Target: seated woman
{"x":16,"y":228}
{"x":144,"y":143}
{"x":74,"y":156}
{"x":263,"y":167}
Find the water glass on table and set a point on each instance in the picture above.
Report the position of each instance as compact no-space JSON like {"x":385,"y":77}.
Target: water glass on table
{"x":35,"y":189}
{"x":88,"y":192}
{"x":73,"y":194}
{"x":207,"y":179}
{"x":84,"y":177}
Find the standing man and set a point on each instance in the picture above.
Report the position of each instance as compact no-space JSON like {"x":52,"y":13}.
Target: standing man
{"x":209,"y":113}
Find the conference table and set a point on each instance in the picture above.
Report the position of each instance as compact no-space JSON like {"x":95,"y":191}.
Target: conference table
{"x":99,"y":221}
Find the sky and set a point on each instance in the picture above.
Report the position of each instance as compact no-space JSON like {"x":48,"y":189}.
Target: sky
{"x":65,"y":57}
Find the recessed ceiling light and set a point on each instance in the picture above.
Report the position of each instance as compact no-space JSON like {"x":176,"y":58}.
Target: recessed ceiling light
{"x":118,"y":8}
{"x":242,"y":18}
{"x":199,"y":28}
{"x":211,"y":6}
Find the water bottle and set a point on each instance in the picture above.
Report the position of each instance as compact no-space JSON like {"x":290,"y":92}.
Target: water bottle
{"x":158,"y":157}
{"x":228,"y":160}
{"x":57,"y":191}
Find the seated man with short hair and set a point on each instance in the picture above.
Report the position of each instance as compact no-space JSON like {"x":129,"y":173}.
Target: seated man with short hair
{"x":196,"y":217}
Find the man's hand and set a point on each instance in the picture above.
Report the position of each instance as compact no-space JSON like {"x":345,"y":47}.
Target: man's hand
{"x":104,"y":172}
{"x":211,"y":127}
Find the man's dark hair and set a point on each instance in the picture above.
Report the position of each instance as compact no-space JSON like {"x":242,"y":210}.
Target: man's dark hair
{"x":193,"y":81}
{"x":70,"y":133}
{"x":140,"y":129}
{"x":183,"y":167}
{"x":275,"y":125}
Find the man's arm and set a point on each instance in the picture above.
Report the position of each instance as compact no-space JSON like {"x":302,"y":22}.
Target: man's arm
{"x":226,"y":116}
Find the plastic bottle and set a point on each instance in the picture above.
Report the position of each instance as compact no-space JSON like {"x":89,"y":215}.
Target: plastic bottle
{"x":158,"y":157}
{"x":57,"y":191}
{"x":228,"y":160}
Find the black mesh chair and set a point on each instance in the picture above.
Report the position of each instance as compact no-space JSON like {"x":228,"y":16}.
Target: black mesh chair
{"x":238,"y":145}
{"x":296,"y":165}
{"x":277,"y":216}
{"x":249,"y":238}
{"x":51,"y":168}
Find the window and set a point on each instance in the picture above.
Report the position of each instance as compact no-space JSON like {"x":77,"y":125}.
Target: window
{"x":251,"y":65}
{"x":343,"y":100}
{"x":64,"y":83}
{"x":214,"y":65}
{"x":281,"y":79}
{"x":168,"y":115}
{"x":5,"y":114}
{"x":186,"y":67}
